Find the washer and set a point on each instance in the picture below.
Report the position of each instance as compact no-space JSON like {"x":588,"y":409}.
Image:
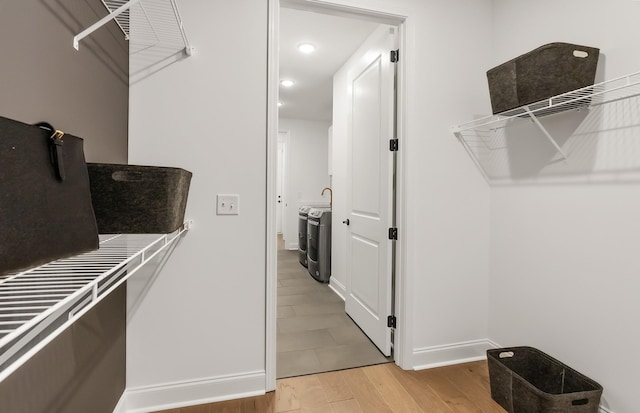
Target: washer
{"x":303,"y":212}
{"x":319,"y":243}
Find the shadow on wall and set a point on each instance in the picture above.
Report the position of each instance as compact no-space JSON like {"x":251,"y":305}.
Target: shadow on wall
{"x":105,"y":44}
{"x":602,"y":144}
{"x":156,"y":40}
{"x":151,"y":48}
{"x":150,"y":59}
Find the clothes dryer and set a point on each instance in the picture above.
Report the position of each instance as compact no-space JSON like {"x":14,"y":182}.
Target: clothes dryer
{"x":319,"y":243}
{"x":303,"y":213}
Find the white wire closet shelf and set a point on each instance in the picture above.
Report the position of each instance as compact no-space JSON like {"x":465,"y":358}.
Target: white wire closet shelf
{"x":478,"y":134}
{"x":600,"y":93}
{"x":36,"y":305}
{"x":146,"y":22}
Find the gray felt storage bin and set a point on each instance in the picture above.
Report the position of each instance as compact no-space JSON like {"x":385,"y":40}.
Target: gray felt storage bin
{"x":130,"y":199}
{"x":547,"y":71}
{"x":526,"y":380}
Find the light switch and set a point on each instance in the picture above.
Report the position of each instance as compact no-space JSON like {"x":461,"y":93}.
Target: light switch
{"x":228,"y":204}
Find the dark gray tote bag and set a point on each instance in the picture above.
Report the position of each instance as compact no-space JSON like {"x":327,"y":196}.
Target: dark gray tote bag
{"x":45,"y":201}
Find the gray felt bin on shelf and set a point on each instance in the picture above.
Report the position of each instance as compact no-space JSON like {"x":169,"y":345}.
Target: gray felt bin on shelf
{"x":547,"y":71}
{"x":526,"y":380}
{"x":131,"y":199}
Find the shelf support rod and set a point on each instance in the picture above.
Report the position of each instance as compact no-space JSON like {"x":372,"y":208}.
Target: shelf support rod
{"x":188,"y":49}
{"x":95,"y":26}
{"x":545,"y":132}
{"x":458,"y":135}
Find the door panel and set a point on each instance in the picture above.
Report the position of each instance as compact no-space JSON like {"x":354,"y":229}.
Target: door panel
{"x":365,"y":252}
{"x":279,"y":188}
{"x":365,"y":140}
{"x":369,"y":205}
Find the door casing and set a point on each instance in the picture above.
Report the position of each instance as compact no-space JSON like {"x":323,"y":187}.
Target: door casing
{"x":393,"y":15}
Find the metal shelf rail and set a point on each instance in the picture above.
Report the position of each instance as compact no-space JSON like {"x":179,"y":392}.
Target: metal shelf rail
{"x":38,"y":304}
{"x":476,"y":133}
{"x":153,"y":22}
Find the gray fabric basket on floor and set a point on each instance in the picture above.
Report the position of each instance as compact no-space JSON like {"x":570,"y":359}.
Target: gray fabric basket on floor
{"x":547,"y":71}
{"x":131,"y":199}
{"x":526,"y":380}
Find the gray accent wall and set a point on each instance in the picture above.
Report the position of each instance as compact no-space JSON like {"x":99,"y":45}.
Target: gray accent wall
{"x":80,"y":371}
{"x":43,"y":78}
{"x":85,"y":93}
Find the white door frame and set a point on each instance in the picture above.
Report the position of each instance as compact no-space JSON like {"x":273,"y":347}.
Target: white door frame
{"x":388,"y":14}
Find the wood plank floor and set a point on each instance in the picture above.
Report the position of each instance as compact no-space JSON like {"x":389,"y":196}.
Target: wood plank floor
{"x":383,"y":388}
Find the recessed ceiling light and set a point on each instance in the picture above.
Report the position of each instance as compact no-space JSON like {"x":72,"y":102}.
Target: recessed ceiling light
{"x":280,"y":104}
{"x":287,"y":83}
{"x":306,"y":48}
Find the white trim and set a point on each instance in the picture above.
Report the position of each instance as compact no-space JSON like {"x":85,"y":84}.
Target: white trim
{"x":191,"y":393}
{"x":338,"y":288}
{"x":389,"y":14}
{"x":403,"y":334}
{"x":271,"y":258}
{"x":121,"y":406}
{"x":449,"y":354}
{"x":383,"y":14}
{"x":605,"y":410}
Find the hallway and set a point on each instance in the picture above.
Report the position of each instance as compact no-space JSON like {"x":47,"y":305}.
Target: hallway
{"x":314,"y":333}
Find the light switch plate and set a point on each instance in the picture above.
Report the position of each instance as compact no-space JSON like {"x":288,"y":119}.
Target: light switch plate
{"x":228,"y":204}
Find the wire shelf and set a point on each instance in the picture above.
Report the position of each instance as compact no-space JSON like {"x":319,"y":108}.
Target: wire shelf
{"x":496,"y":156}
{"x":123,"y":18}
{"x":600,"y":93}
{"x":36,"y":305}
{"x":144,"y":22}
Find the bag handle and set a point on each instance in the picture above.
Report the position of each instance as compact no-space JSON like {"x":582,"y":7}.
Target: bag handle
{"x":55,"y":144}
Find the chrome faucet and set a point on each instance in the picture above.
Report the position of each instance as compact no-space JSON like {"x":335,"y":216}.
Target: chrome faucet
{"x":330,"y":195}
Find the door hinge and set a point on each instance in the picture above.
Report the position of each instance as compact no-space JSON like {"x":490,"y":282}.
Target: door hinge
{"x":395,"y":56}
{"x":391,"y":321}
{"x":393,"y":233}
{"x":393,"y":145}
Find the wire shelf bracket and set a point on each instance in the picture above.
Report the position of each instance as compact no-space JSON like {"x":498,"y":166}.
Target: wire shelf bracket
{"x":38,"y":304}
{"x":546,"y":133}
{"x":119,"y":11}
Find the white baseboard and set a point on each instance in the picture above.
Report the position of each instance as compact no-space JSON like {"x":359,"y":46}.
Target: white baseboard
{"x":121,"y":407}
{"x":338,"y":288}
{"x":449,"y":354}
{"x":183,"y":394}
{"x":292,"y":246}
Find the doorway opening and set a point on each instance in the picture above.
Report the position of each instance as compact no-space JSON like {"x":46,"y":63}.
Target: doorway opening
{"x":313,"y":332}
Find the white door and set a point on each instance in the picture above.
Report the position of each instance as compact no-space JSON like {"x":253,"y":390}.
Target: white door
{"x":280,"y":183}
{"x":370,"y":200}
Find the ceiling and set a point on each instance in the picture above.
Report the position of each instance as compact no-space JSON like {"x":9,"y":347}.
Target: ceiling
{"x":336,"y":39}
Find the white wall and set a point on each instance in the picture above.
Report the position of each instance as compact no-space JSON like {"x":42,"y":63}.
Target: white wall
{"x":202,"y":322}
{"x":307,"y":171}
{"x":564,"y":260}
{"x":199,"y":333}
{"x":447,"y":200}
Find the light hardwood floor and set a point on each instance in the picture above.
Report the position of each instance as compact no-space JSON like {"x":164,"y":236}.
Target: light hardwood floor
{"x":383,"y":388}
